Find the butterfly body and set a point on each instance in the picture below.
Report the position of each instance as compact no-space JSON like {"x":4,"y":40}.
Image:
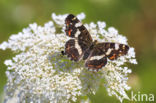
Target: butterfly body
{"x":81,"y":46}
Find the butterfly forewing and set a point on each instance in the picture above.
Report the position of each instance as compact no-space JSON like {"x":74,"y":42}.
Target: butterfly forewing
{"x":115,"y":50}
{"x":84,"y":39}
{"x":71,"y":28}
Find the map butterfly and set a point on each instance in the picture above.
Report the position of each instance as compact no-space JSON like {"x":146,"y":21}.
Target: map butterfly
{"x":81,"y":46}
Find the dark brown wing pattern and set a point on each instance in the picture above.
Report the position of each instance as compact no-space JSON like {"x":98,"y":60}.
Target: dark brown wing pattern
{"x":82,"y":39}
{"x":70,"y":22}
{"x":71,"y":51}
{"x":82,"y":46}
{"x":98,"y":57}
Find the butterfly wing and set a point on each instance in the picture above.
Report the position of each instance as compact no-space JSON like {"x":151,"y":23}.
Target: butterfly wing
{"x":82,"y":40}
{"x":95,"y":58}
{"x":96,"y":64}
{"x":71,"y":50}
{"x":115,"y":50}
{"x":98,"y":56}
{"x":71,"y":25}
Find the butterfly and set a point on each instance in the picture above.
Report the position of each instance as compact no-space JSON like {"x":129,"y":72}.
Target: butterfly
{"x":82,"y":47}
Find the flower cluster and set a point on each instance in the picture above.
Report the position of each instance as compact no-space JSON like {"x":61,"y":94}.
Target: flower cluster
{"x":39,"y":73}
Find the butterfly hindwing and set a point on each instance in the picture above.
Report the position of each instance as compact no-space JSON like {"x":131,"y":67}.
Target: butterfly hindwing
{"x":95,"y":64}
{"x":95,"y":58}
{"x":84,"y":39}
{"x":71,"y":51}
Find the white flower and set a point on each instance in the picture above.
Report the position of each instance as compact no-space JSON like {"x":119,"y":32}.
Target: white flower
{"x":39,"y":73}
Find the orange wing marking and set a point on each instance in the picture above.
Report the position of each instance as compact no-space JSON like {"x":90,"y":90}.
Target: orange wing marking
{"x":113,"y":57}
{"x":69,"y":32}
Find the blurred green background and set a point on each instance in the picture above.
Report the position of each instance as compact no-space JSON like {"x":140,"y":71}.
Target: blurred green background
{"x":135,"y":19}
